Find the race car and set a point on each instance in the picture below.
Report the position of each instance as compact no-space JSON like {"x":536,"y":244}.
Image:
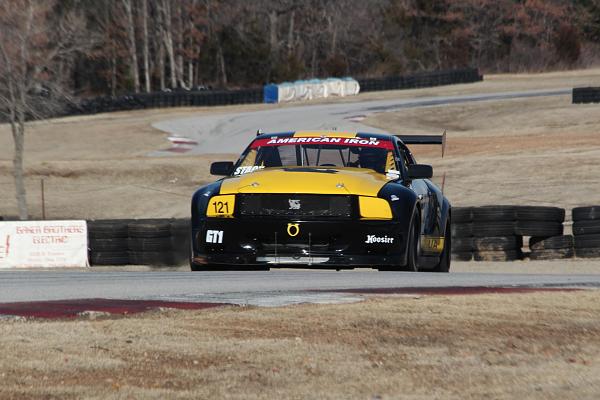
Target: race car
{"x":323,"y":199}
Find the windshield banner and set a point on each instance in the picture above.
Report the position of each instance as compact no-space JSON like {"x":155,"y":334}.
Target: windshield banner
{"x":353,"y":142}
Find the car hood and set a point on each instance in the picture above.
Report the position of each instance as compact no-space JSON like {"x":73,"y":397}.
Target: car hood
{"x":356,"y":181}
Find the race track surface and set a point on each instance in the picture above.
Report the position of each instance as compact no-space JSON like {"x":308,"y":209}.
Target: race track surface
{"x":265,"y":288}
{"x":231,"y":133}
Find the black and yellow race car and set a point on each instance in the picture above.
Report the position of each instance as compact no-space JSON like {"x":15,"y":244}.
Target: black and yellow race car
{"x":323,"y":199}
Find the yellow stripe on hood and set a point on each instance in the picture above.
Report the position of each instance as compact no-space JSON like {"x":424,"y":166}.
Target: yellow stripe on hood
{"x":356,"y":181}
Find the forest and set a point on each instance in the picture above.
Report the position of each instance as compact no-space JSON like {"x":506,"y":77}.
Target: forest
{"x":111,"y":47}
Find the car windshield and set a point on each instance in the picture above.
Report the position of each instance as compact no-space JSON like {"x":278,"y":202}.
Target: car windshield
{"x":369,"y":153}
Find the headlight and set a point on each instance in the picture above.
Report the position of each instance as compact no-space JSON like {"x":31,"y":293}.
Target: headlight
{"x":374,"y":208}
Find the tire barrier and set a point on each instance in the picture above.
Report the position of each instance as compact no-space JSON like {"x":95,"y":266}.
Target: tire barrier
{"x":421,"y":80}
{"x":586,"y":231}
{"x":486,"y":233}
{"x":495,"y":233}
{"x":141,"y":101}
{"x":155,"y":242}
{"x":195,"y":98}
{"x":107,"y":242}
{"x":586,"y":95}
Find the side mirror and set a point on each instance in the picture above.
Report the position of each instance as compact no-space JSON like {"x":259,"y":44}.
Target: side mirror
{"x":222,"y":168}
{"x":420,"y":171}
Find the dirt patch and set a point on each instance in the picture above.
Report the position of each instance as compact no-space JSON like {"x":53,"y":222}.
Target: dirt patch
{"x":542,"y":345}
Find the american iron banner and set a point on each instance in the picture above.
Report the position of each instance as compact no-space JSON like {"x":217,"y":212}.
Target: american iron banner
{"x":43,"y":244}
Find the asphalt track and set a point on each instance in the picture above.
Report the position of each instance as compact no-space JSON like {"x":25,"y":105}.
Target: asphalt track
{"x":231,"y":133}
{"x":263,"y":288}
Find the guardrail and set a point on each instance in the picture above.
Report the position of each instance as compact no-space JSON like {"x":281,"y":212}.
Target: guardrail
{"x":586,"y":95}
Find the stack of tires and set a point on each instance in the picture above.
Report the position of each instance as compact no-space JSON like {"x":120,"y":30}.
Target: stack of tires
{"x":155,"y":242}
{"x":150,"y":243}
{"x":485,"y":234}
{"x":180,"y":236}
{"x":107,"y":242}
{"x":586,"y":228}
{"x":544,"y":226}
{"x":495,"y":233}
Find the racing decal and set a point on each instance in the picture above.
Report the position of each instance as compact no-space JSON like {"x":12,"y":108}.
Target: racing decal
{"x":214,"y":236}
{"x":293,"y":229}
{"x":221,"y":206}
{"x":379,"y":239}
{"x":294,"y":204}
{"x":392,"y":174}
{"x":354,"y":142}
{"x":431,"y":243}
{"x":247,"y":170}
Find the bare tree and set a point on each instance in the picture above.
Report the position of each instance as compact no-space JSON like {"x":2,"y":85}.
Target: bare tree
{"x":166,"y":28}
{"x":145,"y":45}
{"x":132,"y":44}
{"x":34,"y":42}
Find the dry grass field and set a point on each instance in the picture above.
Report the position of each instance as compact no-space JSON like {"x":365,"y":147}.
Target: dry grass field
{"x":534,"y":151}
{"x":523,"y":346}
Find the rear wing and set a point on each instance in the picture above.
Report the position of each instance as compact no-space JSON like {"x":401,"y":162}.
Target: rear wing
{"x":425,"y":139}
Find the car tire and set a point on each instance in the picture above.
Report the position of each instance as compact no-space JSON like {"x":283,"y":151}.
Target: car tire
{"x":506,"y":255}
{"x":539,"y":213}
{"x":552,"y":254}
{"x":462,"y":244}
{"x":462,"y":256}
{"x":414,"y":246}
{"x":586,"y":213}
{"x":462,"y":230}
{"x":493,"y":229}
{"x":107,"y":229}
{"x":149,"y":229}
{"x":539,"y":228}
{"x":109,"y":258}
{"x":445,"y":257}
{"x":587,"y":241}
{"x":586,"y":227}
{"x":587,"y":252}
{"x":110,"y":245}
{"x":548,"y":243}
{"x":494,"y":213}
{"x":153,"y":258}
{"x":497,"y":243}
{"x":150,"y":244}
{"x":462,"y":215}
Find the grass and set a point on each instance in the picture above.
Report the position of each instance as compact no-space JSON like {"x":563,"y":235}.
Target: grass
{"x":540,"y":345}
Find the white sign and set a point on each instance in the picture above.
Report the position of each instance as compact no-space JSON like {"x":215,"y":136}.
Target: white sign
{"x":43,"y":244}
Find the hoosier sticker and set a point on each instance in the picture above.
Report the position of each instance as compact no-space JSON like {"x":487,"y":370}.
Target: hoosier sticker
{"x":379,"y":239}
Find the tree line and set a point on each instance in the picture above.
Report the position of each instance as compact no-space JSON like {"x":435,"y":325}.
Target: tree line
{"x":149,"y":45}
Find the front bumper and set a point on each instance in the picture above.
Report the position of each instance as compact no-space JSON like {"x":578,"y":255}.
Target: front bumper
{"x":299,"y":243}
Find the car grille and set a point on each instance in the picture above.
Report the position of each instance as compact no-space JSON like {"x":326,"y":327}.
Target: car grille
{"x":292,"y":205}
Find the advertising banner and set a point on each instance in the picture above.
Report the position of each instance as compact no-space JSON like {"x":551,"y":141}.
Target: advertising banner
{"x":43,"y":244}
